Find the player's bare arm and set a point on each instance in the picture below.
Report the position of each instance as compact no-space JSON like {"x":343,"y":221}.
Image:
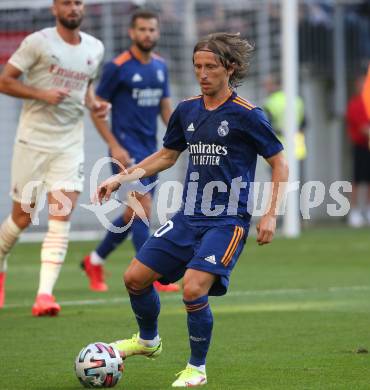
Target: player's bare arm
{"x":102,"y":125}
{"x":166,"y":110}
{"x":153,"y":164}
{"x":11,"y":85}
{"x":279,"y":177}
{"x":98,"y":107}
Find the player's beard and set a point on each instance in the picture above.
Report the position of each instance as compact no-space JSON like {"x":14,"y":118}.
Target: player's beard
{"x":146,"y":48}
{"x":209,"y":91}
{"x":71,"y":24}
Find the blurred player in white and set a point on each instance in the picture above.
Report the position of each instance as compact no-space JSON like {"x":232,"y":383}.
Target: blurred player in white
{"x":58,"y":64}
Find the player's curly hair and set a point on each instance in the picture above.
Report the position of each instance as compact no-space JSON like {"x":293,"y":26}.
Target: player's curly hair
{"x":232,"y":51}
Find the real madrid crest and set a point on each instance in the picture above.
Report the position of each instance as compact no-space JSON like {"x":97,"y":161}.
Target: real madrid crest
{"x":160,"y":75}
{"x":223,"y":129}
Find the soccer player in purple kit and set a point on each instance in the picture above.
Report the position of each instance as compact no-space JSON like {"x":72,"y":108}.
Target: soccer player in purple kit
{"x":223,"y":133}
{"x":136,"y":84}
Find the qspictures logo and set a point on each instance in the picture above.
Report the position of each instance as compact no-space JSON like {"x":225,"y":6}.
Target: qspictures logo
{"x":331,"y":198}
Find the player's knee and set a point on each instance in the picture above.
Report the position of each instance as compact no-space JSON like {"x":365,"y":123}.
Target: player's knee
{"x":140,"y":213}
{"x":22,"y":220}
{"x":127,"y":215}
{"x":192,"y":290}
{"x":147,"y":206}
{"x":132,"y":281}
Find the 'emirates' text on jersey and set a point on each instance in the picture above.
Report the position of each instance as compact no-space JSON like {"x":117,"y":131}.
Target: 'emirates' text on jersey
{"x":223,"y":145}
{"x":135,"y":90}
{"x":47,"y":62}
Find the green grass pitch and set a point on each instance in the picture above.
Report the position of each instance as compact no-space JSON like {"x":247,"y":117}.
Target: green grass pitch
{"x":296,"y":313}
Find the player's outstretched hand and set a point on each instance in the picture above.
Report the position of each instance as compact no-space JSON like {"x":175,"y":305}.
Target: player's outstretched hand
{"x":105,"y":189}
{"x":54,"y":96}
{"x":101,"y":109}
{"x":266,"y":229}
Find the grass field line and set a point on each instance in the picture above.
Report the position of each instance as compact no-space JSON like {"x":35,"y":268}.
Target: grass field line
{"x":231,"y":294}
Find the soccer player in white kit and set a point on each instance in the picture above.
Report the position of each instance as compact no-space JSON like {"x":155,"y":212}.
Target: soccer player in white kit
{"x":58,"y":64}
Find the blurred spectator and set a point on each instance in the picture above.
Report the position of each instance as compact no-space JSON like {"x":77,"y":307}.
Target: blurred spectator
{"x":358,"y":126}
{"x":358,"y":30}
{"x":210,"y":17}
{"x":171,"y":19}
{"x":321,"y":13}
{"x":275,"y":109}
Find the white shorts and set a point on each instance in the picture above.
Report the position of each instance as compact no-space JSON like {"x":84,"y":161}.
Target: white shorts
{"x":34,"y":170}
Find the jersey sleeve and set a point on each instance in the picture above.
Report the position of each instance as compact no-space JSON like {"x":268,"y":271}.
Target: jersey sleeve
{"x":259,"y":130}
{"x":166,"y":87}
{"x":100,"y":57}
{"x":109,"y":81}
{"x":28,"y":52}
{"x":174,"y":137}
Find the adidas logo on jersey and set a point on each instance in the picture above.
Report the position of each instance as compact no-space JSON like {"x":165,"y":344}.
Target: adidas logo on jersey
{"x":211,"y":259}
{"x":191,"y":127}
{"x":137,"y":78}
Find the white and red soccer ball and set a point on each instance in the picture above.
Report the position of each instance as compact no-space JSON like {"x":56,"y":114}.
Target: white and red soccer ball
{"x":99,"y":365}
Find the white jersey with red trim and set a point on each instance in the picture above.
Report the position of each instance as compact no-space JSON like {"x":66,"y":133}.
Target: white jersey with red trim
{"x":47,"y":61}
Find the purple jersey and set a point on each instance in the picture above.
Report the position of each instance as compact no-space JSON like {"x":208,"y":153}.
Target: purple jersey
{"x":223,"y":145}
{"x":135,"y":90}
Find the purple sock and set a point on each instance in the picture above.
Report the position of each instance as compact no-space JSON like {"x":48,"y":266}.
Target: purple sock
{"x":200,"y":324}
{"x":112,"y":240}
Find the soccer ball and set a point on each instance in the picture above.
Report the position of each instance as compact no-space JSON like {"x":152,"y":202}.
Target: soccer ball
{"x":99,"y":365}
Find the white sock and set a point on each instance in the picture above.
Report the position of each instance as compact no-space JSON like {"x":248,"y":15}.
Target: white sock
{"x":201,"y":368}
{"x":53,"y":252}
{"x":4,"y":265}
{"x":95,"y":259}
{"x":9,"y":233}
{"x":150,"y":343}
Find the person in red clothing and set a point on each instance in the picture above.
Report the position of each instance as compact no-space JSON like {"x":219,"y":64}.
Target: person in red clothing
{"x":358,"y":126}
